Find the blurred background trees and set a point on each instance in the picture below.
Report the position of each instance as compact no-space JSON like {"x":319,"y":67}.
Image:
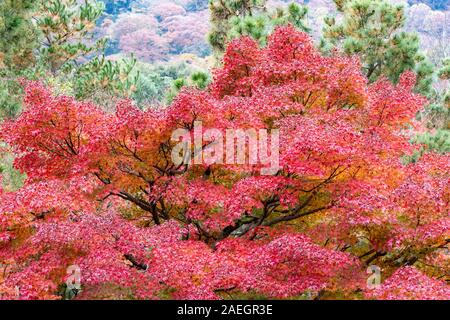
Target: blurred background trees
{"x":160,"y":32}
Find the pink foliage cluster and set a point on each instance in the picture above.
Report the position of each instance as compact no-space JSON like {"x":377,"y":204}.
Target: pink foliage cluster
{"x":165,"y":30}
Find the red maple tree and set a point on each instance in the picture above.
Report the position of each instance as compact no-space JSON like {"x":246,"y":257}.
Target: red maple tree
{"x":103,"y":193}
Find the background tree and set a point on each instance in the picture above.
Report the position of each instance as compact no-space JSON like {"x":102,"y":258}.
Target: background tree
{"x":156,"y":82}
{"x":438,"y":141}
{"x":17,"y":44}
{"x":187,"y":34}
{"x":146,"y":44}
{"x":437,"y":117}
{"x":372,"y":30}
{"x":59,"y":47}
{"x":261,"y":25}
{"x":222,"y":12}
{"x":198,"y":80}
{"x":444,"y":96}
{"x":115,"y":80}
{"x":444,"y":73}
{"x":68,"y":50}
{"x":66,"y":27}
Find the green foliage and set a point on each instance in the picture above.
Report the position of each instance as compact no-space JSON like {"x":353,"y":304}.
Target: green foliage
{"x":437,"y":115}
{"x":100,"y":78}
{"x":9,"y":98}
{"x":425,"y":70}
{"x":156,"y":81}
{"x":447,"y":101}
{"x":59,"y":49}
{"x":371,"y":29}
{"x":12,"y":179}
{"x":444,"y":72}
{"x":437,"y":142}
{"x":294,"y":14}
{"x":223,"y":12}
{"x":17,"y":43}
{"x":17,"y":34}
{"x":178,"y":84}
{"x":260,"y":26}
{"x":66,"y":26}
{"x":199,"y":80}
{"x":439,"y":111}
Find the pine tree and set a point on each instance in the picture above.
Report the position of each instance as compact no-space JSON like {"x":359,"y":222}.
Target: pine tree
{"x":17,"y":42}
{"x":438,"y":141}
{"x":372,"y":30}
{"x":17,"y":34}
{"x":199,"y":80}
{"x":437,"y":117}
{"x":60,"y":48}
{"x":66,"y":29}
{"x":260,"y":26}
{"x":439,"y":110}
{"x":444,"y":74}
{"x":222,"y":12}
